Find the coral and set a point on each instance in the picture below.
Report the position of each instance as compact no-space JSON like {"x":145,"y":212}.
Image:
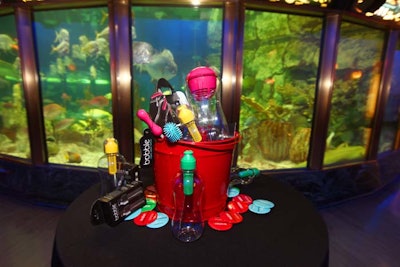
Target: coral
{"x":276,"y":139}
{"x":300,"y":145}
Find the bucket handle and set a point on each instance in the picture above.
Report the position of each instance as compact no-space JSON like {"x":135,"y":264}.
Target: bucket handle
{"x":220,"y":147}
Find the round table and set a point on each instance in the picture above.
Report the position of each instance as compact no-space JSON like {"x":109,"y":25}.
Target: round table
{"x":292,"y":234}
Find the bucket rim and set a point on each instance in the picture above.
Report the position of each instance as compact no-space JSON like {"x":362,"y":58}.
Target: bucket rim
{"x":221,"y":145}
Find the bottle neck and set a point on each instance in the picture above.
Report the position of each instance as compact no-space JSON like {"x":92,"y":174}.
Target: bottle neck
{"x":112,"y":163}
{"x":188,"y":180}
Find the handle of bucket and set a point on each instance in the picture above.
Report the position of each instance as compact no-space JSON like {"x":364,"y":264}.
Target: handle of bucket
{"x":216,"y":145}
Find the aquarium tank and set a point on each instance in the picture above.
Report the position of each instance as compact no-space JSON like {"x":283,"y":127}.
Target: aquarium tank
{"x":74,"y":63}
{"x":186,"y":37}
{"x":274,"y":73}
{"x":280,"y":65}
{"x":355,"y":93}
{"x":390,"y":135}
{"x":14,"y":137}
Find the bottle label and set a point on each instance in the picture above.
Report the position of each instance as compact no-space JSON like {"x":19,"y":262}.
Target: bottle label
{"x":146,"y":149}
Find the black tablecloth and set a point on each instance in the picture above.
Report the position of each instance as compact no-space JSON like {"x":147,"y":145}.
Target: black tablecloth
{"x":292,"y":234}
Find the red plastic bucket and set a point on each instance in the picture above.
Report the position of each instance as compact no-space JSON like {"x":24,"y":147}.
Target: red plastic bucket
{"x":213,"y":165}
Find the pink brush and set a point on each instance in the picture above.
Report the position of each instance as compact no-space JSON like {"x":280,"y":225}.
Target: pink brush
{"x":145,"y":117}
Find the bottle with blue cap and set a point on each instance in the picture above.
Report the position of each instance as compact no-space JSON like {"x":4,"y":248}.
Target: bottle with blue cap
{"x":187,"y":222}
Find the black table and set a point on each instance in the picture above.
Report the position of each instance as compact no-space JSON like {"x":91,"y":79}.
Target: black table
{"x":293,"y":234}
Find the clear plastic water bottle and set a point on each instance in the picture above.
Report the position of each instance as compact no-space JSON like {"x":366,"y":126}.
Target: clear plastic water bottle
{"x":109,"y":166}
{"x":210,"y":118}
{"x":187,"y":222}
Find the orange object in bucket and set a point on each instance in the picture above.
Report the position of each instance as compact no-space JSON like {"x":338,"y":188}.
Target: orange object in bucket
{"x":213,"y":166}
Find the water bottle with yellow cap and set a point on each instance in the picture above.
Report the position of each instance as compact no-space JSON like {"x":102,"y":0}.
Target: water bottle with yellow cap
{"x":108,"y":166}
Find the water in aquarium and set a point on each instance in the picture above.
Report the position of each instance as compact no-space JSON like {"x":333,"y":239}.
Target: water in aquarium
{"x":185,"y":38}
{"x":280,"y":66}
{"x":14,"y":138}
{"x":355,"y":93}
{"x":74,"y":62}
{"x":390,"y":136}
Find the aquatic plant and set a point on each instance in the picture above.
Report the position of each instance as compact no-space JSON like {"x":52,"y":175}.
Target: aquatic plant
{"x":300,"y":145}
{"x":281,"y":54}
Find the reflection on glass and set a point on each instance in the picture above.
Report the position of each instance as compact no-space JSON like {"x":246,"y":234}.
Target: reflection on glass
{"x":14,"y":137}
{"x":168,"y":42}
{"x":390,"y":135}
{"x":73,"y":54}
{"x":355,"y":92}
{"x":281,"y":56}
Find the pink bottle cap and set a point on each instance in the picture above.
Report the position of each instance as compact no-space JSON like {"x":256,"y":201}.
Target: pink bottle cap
{"x":202,"y":82}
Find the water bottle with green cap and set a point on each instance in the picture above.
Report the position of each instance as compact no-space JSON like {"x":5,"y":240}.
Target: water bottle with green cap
{"x":187,"y":222}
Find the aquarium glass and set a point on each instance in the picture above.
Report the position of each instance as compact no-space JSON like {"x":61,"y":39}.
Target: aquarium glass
{"x":355,"y":92}
{"x":168,"y":42}
{"x":280,"y":65}
{"x":73,"y":55}
{"x":14,"y":137}
{"x":390,"y":135}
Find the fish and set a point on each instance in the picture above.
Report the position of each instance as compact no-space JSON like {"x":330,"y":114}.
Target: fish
{"x":133,"y":32}
{"x":69,"y":63}
{"x":103,"y":33}
{"x":10,"y":132}
{"x":62,"y":48}
{"x":83,"y":39}
{"x":73,"y":157}
{"x":61,"y":36}
{"x":71,"y":67}
{"x":104,"y":17}
{"x":77,"y":52}
{"x":63,"y":124}
{"x":93,"y":72}
{"x":96,"y":48}
{"x":96,"y":113}
{"x":97,"y":101}
{"x":53,"y":111}
{"x":4,"y":84}
{"x":65,"y":97}
{"x":7,"y":70}
{"x":90,"y":48}
{"x":6,"y":42}
{"x":8,"y":105}
{"x":162,"y":65}
{"x":60,"y":67}
{"x":142,"y":52}
{"x":108,"y":96}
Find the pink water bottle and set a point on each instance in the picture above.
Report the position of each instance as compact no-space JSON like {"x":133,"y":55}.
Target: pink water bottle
{"x":210,"y":118}
{"x":187,"y":222}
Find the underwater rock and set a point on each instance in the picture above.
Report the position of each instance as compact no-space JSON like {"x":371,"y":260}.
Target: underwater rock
{"x":73,"y":157}
{"x":52,"y":148}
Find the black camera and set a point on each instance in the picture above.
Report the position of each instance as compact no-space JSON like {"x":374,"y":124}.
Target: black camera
{"x":114,"y":207}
